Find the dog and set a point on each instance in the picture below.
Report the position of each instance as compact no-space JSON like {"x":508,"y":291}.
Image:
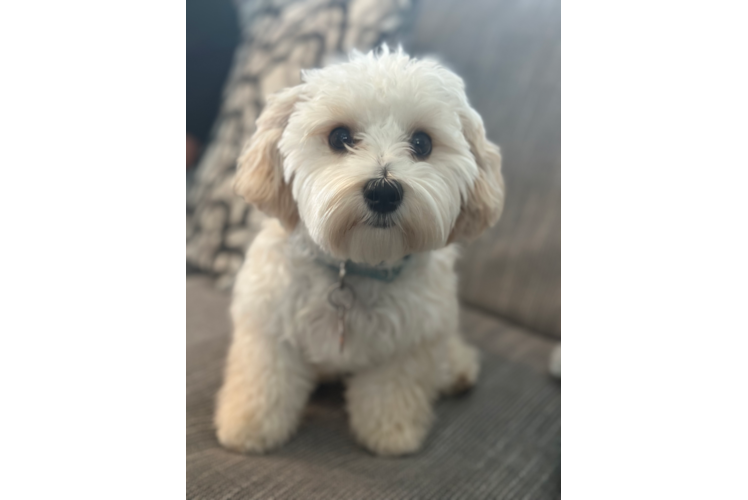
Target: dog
{"x":372,"y":171}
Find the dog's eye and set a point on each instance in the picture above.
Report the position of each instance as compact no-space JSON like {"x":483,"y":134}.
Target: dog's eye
{"x":421,"y":144}
{"x":339,"y":138}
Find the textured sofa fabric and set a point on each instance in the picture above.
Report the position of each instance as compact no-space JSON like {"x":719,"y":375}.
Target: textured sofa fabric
{"x":502,"y":440}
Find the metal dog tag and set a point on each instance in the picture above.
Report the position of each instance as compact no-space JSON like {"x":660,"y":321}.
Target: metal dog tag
{"x":341,"y":298}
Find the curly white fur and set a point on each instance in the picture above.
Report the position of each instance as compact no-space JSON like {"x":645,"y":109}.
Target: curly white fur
{"x":403,"y":346}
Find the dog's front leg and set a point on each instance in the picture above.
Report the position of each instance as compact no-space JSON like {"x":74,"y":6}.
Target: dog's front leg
{"x":265,"y":389}
{"x":390,"y":406}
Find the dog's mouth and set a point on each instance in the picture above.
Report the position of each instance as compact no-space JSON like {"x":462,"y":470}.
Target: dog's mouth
{"x":380,"y":221}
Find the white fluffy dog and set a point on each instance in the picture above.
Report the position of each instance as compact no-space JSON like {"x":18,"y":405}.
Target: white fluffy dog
{"x":372,"y":168}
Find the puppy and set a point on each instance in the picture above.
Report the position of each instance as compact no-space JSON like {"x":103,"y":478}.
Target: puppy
{"x":371,"y":169}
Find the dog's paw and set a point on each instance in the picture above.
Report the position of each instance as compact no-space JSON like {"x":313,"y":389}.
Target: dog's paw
{"x":392,"y":438}
{"x":391,"y":423}
{"x":461,"y":384}
{"x":464,"y":368}
{"x":554,"y":363}
{"x":248,"y":436}
{"x":249,"y":425}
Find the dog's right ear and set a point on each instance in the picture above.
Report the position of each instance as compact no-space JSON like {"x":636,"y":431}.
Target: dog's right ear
{"x":259,"y":177}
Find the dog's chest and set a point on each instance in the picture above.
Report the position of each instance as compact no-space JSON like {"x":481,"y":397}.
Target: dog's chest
{"x":383,"y":318}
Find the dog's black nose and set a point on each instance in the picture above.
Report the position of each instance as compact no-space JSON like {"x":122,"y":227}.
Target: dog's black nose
{"x":383,"y":195}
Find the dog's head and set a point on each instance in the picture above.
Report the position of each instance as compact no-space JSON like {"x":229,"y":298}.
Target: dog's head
{"x":378,"y":157}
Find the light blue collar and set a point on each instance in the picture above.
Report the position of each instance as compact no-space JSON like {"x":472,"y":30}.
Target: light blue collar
{"x":386,"y":274}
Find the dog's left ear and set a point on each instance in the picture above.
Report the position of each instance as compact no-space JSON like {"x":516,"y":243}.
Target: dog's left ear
{"x":485,"y":201}
{"x":259,"y":177}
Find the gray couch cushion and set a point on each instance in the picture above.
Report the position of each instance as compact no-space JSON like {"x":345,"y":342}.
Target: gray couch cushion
{"x":509,"y":54}
{"x":502,"y":440}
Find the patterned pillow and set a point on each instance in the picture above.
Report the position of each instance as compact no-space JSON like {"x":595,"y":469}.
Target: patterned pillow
{"x":279,"y":39}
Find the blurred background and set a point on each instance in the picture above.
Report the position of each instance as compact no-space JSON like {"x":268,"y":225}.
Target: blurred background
{"x":503,"y":441}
